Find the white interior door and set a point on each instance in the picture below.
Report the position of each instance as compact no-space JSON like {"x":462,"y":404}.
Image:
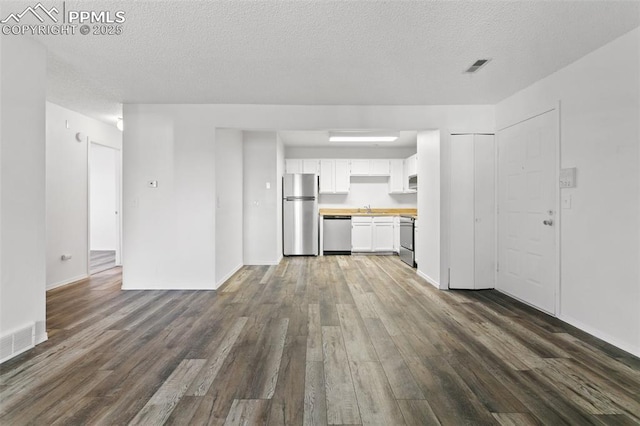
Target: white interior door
{"x":527,"y":210}
{"x":462,"y":242}
{"x":485,"y":211}
{"x":104,"y":199}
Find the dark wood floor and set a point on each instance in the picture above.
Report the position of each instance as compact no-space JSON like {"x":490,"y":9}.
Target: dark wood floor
{"x":329,"y":340}
{"x":101,"y":260}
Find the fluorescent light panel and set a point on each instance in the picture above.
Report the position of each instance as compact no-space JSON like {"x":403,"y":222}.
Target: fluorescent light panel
{"x":363,"y":137}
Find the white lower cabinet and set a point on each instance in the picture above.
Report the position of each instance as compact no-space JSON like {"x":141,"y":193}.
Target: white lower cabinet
{"x":361,"y":235}
{"x":396,"y":234}
{"x":372,"y":234}
{"x":383,"y":233}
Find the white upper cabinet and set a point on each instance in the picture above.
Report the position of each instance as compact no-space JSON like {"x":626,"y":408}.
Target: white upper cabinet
{"x":342,"y":176}
{"x":296,"y":165}
{"x":327,"y":176}
{"x":412,"y":165}
{"x":360,"y":167}
{"x":405,"y":176}
{"x":378,"y":167}
{"x":334,"y":176}
{"x":396,"y":176}
{"x":310,"y":166}
{"x":293,"y":165}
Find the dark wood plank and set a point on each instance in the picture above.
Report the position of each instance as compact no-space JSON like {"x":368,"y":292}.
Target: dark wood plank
{"x":314,"y":341}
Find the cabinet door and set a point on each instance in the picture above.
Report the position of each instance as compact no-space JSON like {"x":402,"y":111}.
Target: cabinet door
{"x":360,"y":167}
{"x":396,"y":234}
{"x":412,"y":165}
{"x":395,"y":177}
{"x":484,"y":205}
{"x":383,"y":236}
{"x":379,"y":168}
{"x":361,"y":237}
{"x":462,"y":245}
{"x":293,"y":165}
{"x":310,"y":166}
{"x":342,"y":180}
{"x":327,"y":177}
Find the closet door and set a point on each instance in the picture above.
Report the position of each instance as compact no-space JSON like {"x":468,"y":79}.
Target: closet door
{"x":462,"y":246}
{"x":484,"y":206}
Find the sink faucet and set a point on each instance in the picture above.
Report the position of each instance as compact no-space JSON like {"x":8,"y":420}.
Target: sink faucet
{"x":368,"y":207}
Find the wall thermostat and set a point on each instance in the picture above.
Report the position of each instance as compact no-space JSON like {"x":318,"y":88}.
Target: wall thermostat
{"x":568,"y":178}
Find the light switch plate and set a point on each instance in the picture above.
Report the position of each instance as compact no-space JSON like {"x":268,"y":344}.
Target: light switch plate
{"x":152,"y":184}
{"x":566,"y":201}
{"x":268,"y":185}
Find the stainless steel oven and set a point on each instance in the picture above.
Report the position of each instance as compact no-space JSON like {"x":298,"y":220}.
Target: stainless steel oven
{"x":407,"y":240}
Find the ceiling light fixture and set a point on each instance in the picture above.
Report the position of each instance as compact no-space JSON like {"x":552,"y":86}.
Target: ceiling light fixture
{"x":363,"y":136}
{"x":120,"y":124}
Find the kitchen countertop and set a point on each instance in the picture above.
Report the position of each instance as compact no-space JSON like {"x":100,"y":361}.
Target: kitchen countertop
{"x":374,"y":212}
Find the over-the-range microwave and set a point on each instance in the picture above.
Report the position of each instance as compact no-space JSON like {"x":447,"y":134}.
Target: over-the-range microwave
{"x":413,"y":182}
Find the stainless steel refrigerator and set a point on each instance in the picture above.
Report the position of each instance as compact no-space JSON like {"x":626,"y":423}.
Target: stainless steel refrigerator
{"x":300,"y":214}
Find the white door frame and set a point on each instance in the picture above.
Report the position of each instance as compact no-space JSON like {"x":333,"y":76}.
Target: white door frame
{"x":558,"y":217}
{"x":118,"y":203}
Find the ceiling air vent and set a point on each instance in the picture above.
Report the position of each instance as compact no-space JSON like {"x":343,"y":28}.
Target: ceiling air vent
{"x":477,"y":65}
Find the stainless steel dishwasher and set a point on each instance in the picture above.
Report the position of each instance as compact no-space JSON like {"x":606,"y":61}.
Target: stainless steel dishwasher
{"x":336,"y":234}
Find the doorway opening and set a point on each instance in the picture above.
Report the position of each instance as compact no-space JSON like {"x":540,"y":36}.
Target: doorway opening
{"x":104,"y":207}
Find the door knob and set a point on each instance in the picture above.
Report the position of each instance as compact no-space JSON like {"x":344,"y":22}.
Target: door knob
{"x":548,"y":222}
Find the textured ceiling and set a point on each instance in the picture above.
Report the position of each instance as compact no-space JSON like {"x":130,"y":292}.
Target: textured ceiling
{"x":323,"y":52}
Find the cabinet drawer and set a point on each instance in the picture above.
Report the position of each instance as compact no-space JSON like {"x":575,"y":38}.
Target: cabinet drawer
{"x":383,"y":219}
{"x":361,"y":219}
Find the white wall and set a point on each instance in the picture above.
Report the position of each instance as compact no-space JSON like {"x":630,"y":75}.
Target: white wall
{"x":103,"y":200}
{"x":67,"y":189}
{"x":600,"y":235}
{"x":280,"y":154}
{"x":169,"y":231}
{"x":228,"y":232}
{"x":166,"y":140}
{"x":22,"y":186}
{"x":260,"y":203}
{"x":428,"y":237}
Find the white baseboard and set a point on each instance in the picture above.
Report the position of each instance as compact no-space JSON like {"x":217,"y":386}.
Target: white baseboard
{"x":428,"y":279}
{"x":229,"y":275}
{"x":601,"y":335}
{"x":263,"y":262}
{"x":41,"y":338}
{"x":67,"y":281}
{"x":190,"y":287}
